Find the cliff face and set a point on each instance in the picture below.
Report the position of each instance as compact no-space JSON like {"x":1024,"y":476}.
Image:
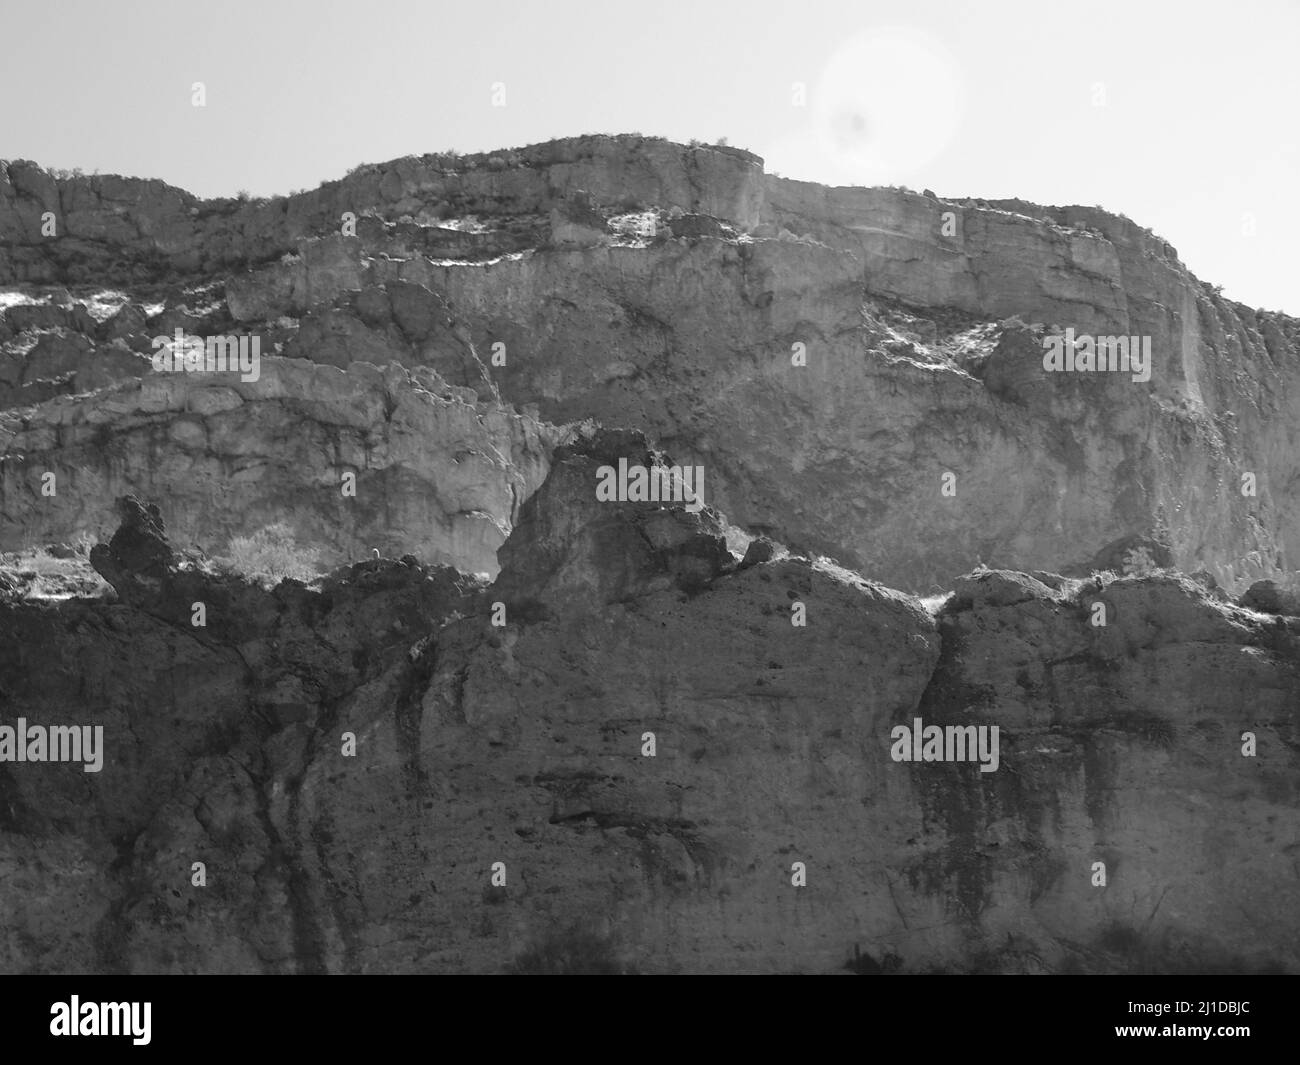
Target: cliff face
{"x":1169,"y":453}
{"x":525,"y":743}
{"x":572,"y":731}
{"x":368,"y":459}
{"x":125,"y":229}
{"x":680,"y":310}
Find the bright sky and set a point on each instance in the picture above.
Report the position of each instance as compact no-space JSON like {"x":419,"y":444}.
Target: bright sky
{"x":1182,"y":114}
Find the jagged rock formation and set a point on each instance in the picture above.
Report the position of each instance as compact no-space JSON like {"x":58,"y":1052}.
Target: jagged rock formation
{"x":921,"y":320}
{"x":523,"y":743}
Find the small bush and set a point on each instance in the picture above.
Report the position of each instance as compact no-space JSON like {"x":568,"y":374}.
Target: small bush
{"x":270,"y":555}
{"x":571,"y":953}
{"x":866,"y":965}
{"x":1139,"y":563}
{"x":1125,"y":950}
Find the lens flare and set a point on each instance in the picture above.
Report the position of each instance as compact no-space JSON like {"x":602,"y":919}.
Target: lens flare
{"x":886,"y":104}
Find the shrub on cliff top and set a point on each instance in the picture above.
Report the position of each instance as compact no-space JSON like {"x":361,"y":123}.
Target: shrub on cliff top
{"x":1139,"y":563}
{"x":270,"y":555}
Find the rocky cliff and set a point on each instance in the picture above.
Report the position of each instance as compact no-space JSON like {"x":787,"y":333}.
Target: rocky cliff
{"x":829,"y":355}
{"x":550,"y":731}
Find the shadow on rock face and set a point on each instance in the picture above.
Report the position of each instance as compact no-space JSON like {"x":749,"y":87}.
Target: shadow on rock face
{"x":572,"y":547}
